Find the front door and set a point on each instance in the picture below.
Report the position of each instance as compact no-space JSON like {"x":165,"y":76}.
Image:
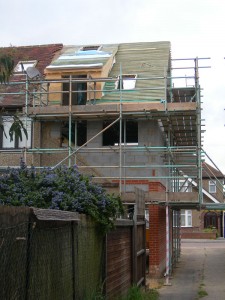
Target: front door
{"x":211,"y":220}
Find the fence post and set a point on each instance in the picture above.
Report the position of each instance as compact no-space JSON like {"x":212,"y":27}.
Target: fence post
{"x":134,"y":246}
{"x":104,"y":269}
{"x":28,"y":255}
{"x":73,"y":257}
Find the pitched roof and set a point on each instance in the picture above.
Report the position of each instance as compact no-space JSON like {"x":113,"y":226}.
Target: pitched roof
{"x":145,"y":60}
{"x":43,"y":54}
{"x":142,"y":60}
{"x":210,"y":172}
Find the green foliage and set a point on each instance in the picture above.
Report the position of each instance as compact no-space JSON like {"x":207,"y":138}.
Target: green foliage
{"x":202,"y":293}
{"x":6,"y":68}
{"x":136,"y":293}
{"x":63,"y":188}
{"x":17,"y":128}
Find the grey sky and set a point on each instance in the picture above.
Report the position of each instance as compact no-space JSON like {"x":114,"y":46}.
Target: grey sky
{"x":194,"y":27}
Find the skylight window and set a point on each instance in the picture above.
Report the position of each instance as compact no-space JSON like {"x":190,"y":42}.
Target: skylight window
{"x":128,"y":82}
{"x":23,"y":65}
{"x":91,"y":48}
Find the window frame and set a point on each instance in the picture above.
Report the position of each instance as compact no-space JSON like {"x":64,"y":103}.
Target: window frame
{"x":90,"y":48}
{"x":212,"y":186}
{"x":110,"y":137}
{"x":81,"y":133}
{"x":79,"y":90}
{"x":185,"y":186}
{"x":15,"y":144}
{"x":184,"y":215}
{"x":26,"y":64}
{"x":127,"y":79}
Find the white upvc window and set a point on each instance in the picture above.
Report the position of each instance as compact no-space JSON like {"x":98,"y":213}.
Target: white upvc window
{"x":212,"y":186}
{"x":6,"y":143}
{"x":16,"y":142}
{"x":186,"y":218}
{"x":23,"y":65}
{"x":128,"y":82}
{"x":185,"y":186}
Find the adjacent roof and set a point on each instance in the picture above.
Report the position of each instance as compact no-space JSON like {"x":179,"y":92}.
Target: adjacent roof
{"x":210,"y":172}
{"x":43,"y":54}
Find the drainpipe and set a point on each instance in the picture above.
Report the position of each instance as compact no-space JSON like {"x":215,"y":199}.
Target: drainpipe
{"x":167,"y":225}
{"x":70,"y":118}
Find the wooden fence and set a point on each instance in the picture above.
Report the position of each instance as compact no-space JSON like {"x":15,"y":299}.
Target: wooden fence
{"x":47,"y":254}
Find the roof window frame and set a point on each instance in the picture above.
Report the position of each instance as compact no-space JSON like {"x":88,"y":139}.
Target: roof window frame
{"x":19,"y":69}
{"x":131,"y":78}
{"x":91,"y":48}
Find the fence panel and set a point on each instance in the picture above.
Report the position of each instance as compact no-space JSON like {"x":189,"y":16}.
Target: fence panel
{"x":54,"y":255}
{"x":119,"y":260}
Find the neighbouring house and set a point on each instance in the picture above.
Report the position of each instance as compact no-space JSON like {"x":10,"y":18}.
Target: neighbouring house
{"x":17,"y":95}
{"x":196,"y":223}
{"x":122,"y":114}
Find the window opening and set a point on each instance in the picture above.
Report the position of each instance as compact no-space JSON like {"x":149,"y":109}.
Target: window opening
{"x":185,"y":186}
{"x":81,"y":133}
{"x":23,"y":65}
{"x":79,"y":91}
{"x":186,"y":218}
{"x":210,"y":220}
{"x":90,"y":48}
{"x":16,"y":142}
{"x":128,"y":82}
{"x":111,"y":137}
{"x":212,"y":186}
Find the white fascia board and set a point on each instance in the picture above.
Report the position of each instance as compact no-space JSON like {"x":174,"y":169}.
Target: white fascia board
{"x":82,"y":66}
{"x":203,"y":190}
{"x":78,"y":57}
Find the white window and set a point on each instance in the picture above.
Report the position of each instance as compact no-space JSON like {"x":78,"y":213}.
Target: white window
{"x":186,"y":218}
{"x":23,"y":65}
{"x":91,"y":48}
{"x":16,"y":142}
{"x":212,"y":186}
{"x":6,"y":143}
{"x":128,"y":82}
{"x":185,"y":186}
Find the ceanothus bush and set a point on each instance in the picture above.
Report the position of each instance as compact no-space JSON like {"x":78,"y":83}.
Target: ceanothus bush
{"x":63,"y":188}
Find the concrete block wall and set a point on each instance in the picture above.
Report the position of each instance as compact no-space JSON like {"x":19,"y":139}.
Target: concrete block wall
{"x":149,"y":134}
{"x":48,"y":135}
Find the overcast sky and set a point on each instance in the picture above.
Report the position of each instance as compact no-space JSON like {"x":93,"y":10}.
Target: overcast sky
{"x":194,"y":27}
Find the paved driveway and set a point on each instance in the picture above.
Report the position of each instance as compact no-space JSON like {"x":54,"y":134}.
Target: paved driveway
{"x":200,"y":272}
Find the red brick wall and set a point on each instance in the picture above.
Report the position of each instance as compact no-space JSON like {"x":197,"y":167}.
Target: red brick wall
{"x":157,"y":240}
{"x":156,"y":187}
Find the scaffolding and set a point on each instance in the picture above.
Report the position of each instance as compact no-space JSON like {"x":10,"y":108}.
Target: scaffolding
{"x":177,"y":112}
{"x":171,"y":159}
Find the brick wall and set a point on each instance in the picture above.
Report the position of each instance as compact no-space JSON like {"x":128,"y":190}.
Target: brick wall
{"x":157,"y":240}
{"x":156,"y":187}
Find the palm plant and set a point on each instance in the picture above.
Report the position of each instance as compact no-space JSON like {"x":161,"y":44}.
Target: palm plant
{"x":6,"y":68}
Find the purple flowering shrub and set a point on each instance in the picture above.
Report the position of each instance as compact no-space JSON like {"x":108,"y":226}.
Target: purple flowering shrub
{"x":63,"y":188}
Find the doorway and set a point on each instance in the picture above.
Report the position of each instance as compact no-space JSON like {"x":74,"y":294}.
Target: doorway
{"x":211,"y":220}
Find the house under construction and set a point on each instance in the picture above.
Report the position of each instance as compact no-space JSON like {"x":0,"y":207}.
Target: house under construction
{"x":127,"y":114}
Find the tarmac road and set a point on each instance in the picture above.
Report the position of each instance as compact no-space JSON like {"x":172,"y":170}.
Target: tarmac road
{"x":200,"y":272}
